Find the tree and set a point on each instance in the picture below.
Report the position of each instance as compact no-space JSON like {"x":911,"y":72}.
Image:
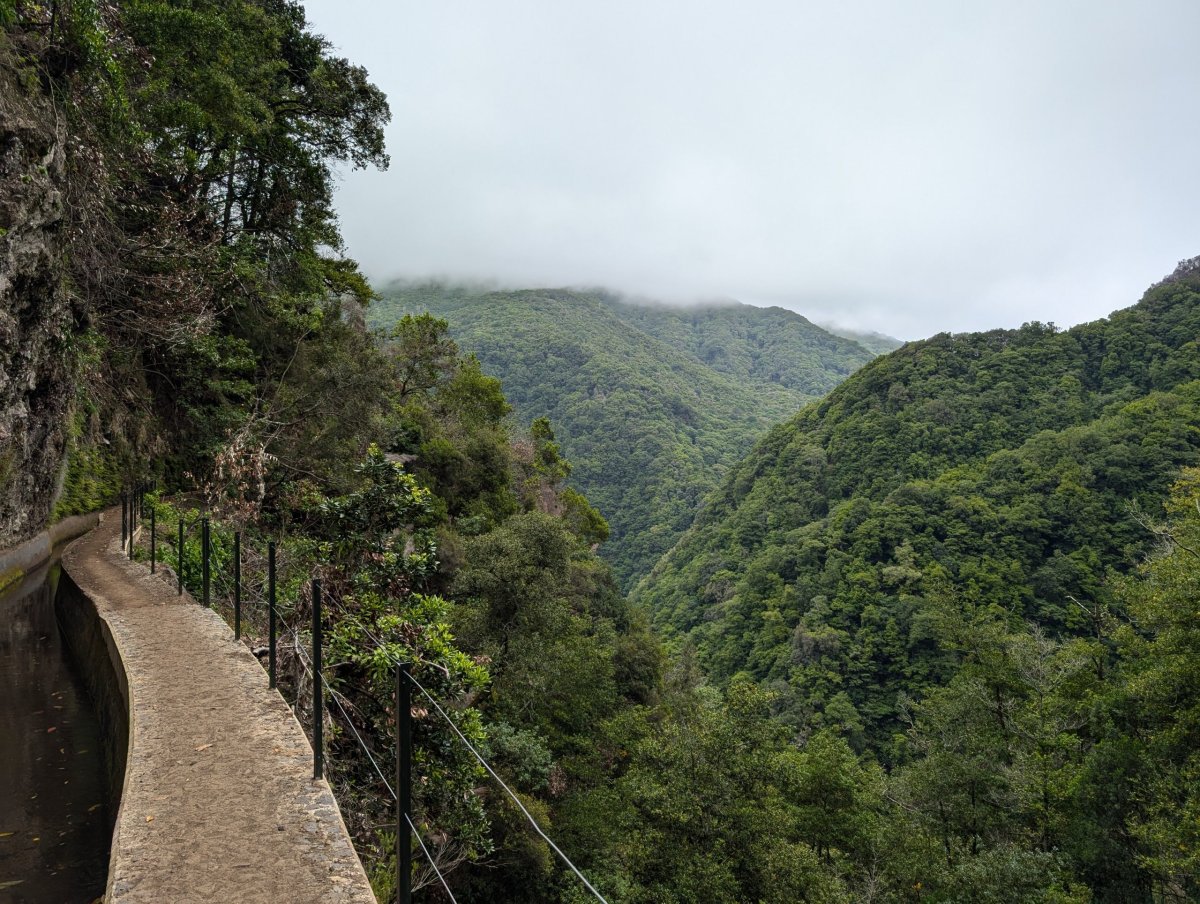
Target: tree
{"x":1160,"y":690}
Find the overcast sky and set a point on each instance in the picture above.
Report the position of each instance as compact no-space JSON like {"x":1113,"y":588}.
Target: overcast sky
{"x":905,"y":166}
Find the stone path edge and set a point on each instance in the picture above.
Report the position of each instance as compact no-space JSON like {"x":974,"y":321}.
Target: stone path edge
{"x":325,"y":828}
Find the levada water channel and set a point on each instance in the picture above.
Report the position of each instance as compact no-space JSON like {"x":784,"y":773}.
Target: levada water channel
{"x":56,"y":814}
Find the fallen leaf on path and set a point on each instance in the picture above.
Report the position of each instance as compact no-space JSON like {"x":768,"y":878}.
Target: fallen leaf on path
{"x":204,"y":747}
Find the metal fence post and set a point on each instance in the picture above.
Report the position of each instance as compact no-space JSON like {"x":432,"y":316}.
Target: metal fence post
{"x":204,"y":558}
{"x":271,"y":612}
{"x":237,"y":585}
{"x":403,"y":785}
{"x":124,"y":520}
{"x":179,"y":550}
{"x":153,"y":541}
{"x":318,"y":695}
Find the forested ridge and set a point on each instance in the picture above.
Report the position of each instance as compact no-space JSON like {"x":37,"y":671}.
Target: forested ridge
{"x":933,"y":640}
{"x":1008,"y":464}
{"x":939,"y":551}
{"x":651,"y":404}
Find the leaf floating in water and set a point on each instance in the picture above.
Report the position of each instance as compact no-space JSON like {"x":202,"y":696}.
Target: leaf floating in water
{"x":50,"y":729}
{"x":93,"y":808}
{"x":11,"y":883}
{"x":5,"y":835}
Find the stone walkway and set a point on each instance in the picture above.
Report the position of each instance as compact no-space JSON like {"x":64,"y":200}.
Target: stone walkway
{"x":219,"y":803}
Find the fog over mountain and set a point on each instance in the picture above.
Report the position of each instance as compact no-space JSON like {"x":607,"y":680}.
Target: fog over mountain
{"x":906,"y":168}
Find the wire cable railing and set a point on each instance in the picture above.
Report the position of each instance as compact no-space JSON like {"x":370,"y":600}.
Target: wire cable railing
{"x":361,"y":743}
{"x":492,"y":772}
{"x":429,"y":857}
{"x":133,"y":508}
{"x":488,"y":768}
{"x":336,"y":698}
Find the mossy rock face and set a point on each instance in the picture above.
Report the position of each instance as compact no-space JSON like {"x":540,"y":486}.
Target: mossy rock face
{"x":10,"y":576}
{"x":36,"y":310}
{"x":93,"y":481}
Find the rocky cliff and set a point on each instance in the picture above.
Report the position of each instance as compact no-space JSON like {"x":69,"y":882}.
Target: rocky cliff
{"x":38,"y":315}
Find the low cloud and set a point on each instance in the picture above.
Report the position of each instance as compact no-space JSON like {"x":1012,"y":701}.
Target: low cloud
{"x":906,"y":167}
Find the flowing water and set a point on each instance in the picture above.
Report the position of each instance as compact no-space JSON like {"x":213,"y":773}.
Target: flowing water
{"x":55,"y":824}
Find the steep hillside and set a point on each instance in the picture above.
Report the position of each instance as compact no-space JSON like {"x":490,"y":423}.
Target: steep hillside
{"x":651,"y":405}
{"x":1015,"y":469}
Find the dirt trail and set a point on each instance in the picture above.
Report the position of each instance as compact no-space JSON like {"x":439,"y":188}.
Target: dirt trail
{"x":219,"y":803}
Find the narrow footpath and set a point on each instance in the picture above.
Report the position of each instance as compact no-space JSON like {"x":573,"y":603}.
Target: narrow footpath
{"x":219,"y":803}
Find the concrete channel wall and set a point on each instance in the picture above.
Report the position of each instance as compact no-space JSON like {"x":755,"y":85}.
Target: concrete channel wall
{"x":217,"y":798}
{"x":94,"y":653}
{"x":24,"y":558}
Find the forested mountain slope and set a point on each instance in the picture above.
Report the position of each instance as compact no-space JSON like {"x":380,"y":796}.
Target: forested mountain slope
{"x":756,"y":345}
{"x":651,"y":405}
{"x":1013,"y":468}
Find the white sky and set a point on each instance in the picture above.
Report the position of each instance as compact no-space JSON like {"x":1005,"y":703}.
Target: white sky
{"x":909,"y":166}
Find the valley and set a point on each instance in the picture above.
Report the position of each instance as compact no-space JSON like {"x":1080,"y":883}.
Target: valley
{"x":652,"y":405}
{"x":723,"y":604}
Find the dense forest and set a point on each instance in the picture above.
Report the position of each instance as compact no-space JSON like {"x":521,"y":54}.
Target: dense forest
{"x":955,"y":520}
{"x":651,"y":404}
{"x":1009,"y":466}
{"x":934,"y":639}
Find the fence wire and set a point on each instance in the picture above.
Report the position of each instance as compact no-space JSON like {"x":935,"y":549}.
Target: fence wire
{"x":254,"y":594}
